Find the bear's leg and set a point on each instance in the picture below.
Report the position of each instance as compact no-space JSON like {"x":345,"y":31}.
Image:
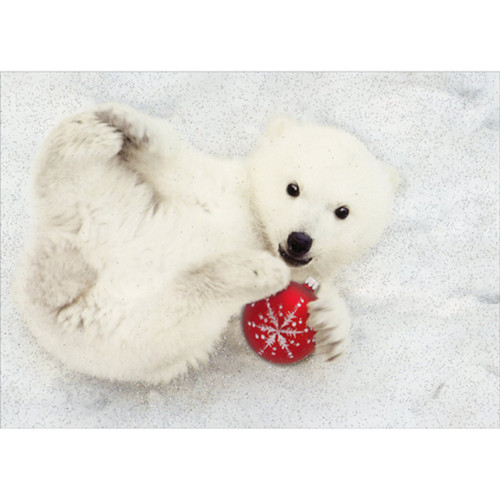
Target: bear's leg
{"x":91,"y":201}
{"x":100,"y":147}
{"x":234,"y":278}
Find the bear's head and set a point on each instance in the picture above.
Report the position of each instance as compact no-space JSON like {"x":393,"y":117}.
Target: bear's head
{"x":321,"y":198}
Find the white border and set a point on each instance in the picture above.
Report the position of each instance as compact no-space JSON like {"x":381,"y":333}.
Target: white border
{"x":409,"y":464}
{"x":259,"y":35}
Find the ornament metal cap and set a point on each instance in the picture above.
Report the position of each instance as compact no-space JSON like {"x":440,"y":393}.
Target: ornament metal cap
{"x":311,"y":283}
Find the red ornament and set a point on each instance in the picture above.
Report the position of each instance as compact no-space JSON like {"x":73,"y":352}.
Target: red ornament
{"x":276,"y":327}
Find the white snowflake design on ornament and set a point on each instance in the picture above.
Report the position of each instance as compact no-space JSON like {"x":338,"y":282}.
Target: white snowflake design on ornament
{"x":280,"y":329}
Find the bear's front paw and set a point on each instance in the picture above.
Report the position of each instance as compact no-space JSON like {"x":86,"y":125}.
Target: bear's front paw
{"x":270,"y":274}
{"x":332,"y":325}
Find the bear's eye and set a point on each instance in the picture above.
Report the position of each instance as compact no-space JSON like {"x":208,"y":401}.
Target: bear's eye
{"x":293,"y":190}
{"x":342,"y":212}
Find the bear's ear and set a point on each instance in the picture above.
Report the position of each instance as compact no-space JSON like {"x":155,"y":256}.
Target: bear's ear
{"x":278,"y":124}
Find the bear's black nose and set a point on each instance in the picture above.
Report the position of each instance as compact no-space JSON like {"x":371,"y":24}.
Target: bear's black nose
{"x":299,"y":244}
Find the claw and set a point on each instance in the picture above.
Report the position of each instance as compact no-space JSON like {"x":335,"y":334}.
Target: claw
{"x":320,"y":324}
{"x":322,"y":339}
{"x":334,"y":357}
{"x":325,"y":348}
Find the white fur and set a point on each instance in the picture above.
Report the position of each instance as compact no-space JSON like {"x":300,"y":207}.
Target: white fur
{"x":145,"y":248}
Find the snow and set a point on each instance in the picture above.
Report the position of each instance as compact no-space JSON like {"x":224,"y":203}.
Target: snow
{"x":425,"y":301}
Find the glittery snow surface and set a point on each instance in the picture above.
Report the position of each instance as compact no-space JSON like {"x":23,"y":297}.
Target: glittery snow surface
{"x":425,"y":302}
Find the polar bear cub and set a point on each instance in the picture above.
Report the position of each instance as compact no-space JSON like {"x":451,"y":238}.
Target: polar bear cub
{"x":144,"y":248}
